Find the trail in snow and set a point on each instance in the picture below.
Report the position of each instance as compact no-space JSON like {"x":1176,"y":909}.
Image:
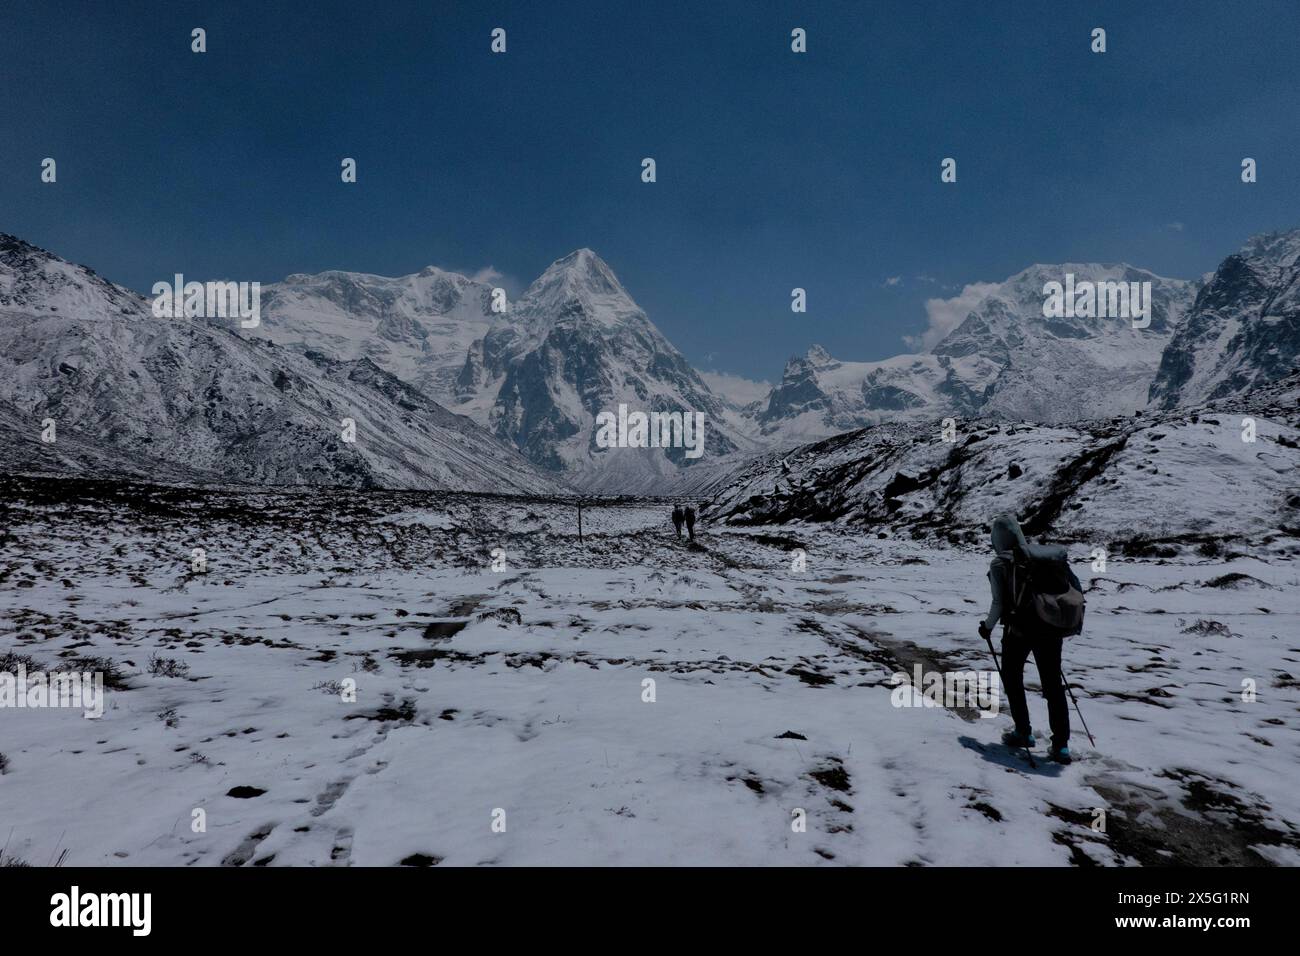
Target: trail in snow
{"x":522,"y":691}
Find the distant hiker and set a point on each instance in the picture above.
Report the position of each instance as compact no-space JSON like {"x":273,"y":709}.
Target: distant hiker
{"x":690,"y":521}
{"x":1040,"y":602}
{"x":678,"y":517}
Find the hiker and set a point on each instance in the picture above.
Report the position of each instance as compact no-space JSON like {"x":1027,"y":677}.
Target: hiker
{"x":678,"y":518}
{"x":1037,"y":616}
{"x":690,"y":521}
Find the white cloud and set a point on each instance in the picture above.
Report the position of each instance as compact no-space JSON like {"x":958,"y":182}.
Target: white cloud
{"x":1176,"y":226}
{"x":736,"y":388}
{"x":892,"y":281}
{"x":944,"y":315}
{"x":491,"y":275}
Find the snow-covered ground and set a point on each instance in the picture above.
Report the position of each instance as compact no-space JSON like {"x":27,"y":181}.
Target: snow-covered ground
{"x":523,"y":690}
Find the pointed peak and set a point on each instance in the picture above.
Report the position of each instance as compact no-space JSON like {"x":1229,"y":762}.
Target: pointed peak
{"x":814,"y":360}
{"x":581,"y":271}
{"x":582,"y":261}
{"x":580,"y":255}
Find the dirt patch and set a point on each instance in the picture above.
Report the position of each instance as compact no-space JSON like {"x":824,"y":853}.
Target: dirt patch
{"x":1212,"y":824}
{"x":784,"y":542}
{"x":430,"y":657}
{"x":442,"y":630}
{"x":989,"y":811}
{"x":811,"y":678}
{"x":401,"y":713}
{"x":833,"y":776}
{"x":904,"y":657}
{"x":505,"y":615}
{"x":1235,"y":579}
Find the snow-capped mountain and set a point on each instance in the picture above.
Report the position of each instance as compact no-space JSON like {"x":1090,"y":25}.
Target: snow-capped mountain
{"x":576,"y":345}
{"x":1005,"y":359}
{"x":1244,"y":328}
{"x":191,"y":398}
{"x":1159,"y":475}
{"x":202,"y":397}
{"x":1067,"y":368}
{"x":819,"y":395}
{"x":418,"y":327}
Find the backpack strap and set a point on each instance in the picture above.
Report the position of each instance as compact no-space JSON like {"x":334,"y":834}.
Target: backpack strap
{"x":1018,"y":559}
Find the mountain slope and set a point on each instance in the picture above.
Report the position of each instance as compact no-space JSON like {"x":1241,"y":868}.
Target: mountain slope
{"x":821,"y":395}
{"x":418,"y":326}
{"x":186,"y":397}
{"x":1005,"y":360}
{"x":1068,"y":368}
{"x":1159,"y":475}
{"x":1244,"y":328}
{"x":190,"y":396}
{"x":576,"y":345}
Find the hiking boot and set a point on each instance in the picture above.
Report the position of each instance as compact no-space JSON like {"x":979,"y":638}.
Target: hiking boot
{"x":1014,"y":738}
{"x":1061,"y":755}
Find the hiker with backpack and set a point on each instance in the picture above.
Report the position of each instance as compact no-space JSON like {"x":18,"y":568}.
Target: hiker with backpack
{"x":1039,"y":602}
{"x":678,"y":518}
{"x":690,"y":521}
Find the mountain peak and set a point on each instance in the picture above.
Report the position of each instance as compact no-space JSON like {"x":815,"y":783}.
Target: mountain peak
{"x":447,"y":275}
{"x":1277,"y":246}
{"x":580,"y":271}
{"x":583,"y":255}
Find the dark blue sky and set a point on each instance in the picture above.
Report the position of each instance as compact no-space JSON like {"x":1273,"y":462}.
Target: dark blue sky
{"x":775,"y":170}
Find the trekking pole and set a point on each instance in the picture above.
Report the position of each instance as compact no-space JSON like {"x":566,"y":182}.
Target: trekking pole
{"x":988,"y":639}
{"x":1077,"y":710}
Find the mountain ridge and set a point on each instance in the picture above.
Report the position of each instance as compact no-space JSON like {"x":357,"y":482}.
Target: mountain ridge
{"x":1004,"y":359}
{"x":575,"y":344}
{"x":1243,"y":329}
{"x":132,"y":393}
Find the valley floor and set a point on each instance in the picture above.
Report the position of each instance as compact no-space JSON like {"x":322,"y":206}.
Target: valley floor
{"x":522,"y":690}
